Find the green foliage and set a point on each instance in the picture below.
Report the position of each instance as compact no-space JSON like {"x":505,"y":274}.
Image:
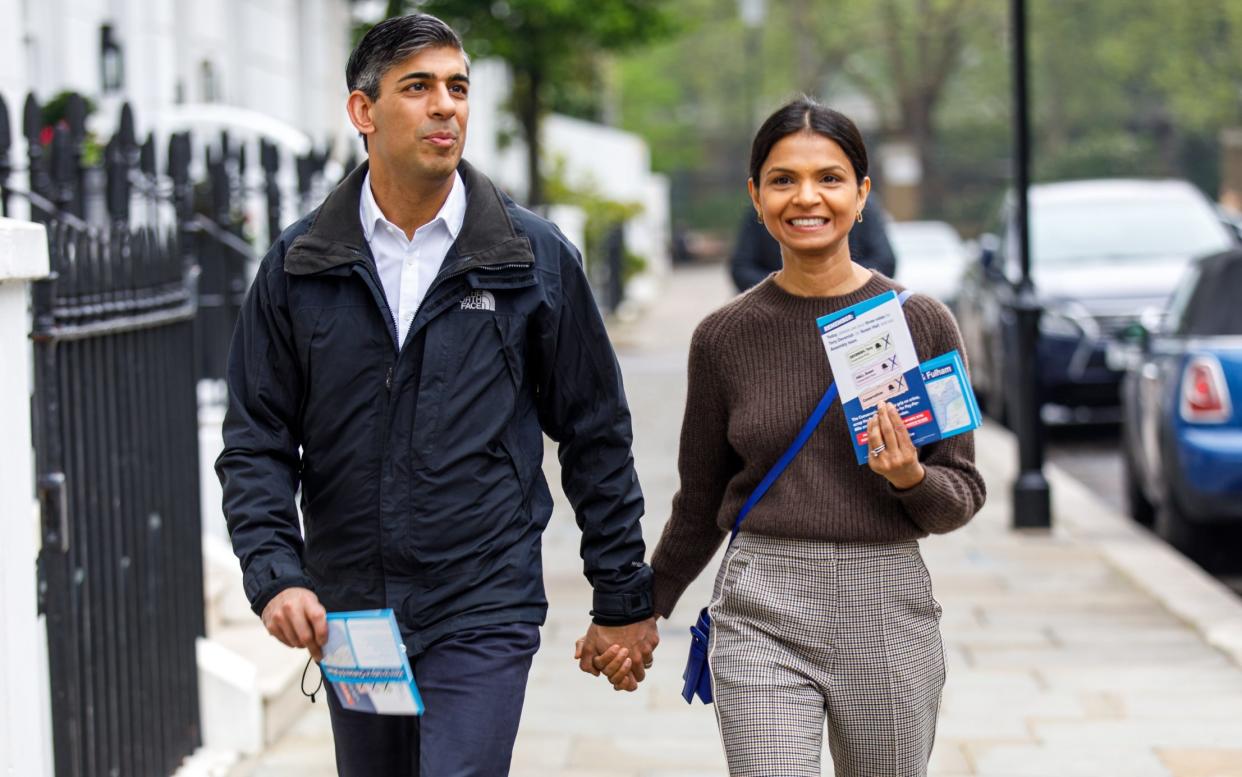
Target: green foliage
{"x":537,"y":32}
{"x":1118,"y":87}
{"x":1104,"y":153}
{"x":554,"y":48}
{"x":603,"y":214}
{"x":559,"y":41}
{"x":56,"y":109}
{"x":1138,"y":88}
{"x":391,"y":8}
{"x":679,"y":93}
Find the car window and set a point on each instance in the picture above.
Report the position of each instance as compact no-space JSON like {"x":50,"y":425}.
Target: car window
{"x":1131,"y":229}
{"x":1212,"y":309}
{"x":924,"y":245}
{"x":1176,"y":312}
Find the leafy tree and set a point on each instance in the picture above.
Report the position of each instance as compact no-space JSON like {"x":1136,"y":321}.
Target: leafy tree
{"x":1134,"y":88}
{"x":545,"y":42}
{"x":907,"y":57}
{"x":1118,"y":87}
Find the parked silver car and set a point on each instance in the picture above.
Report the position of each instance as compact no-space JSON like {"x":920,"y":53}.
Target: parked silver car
{"x":1102,"y":252}
{"x":930,"y":257}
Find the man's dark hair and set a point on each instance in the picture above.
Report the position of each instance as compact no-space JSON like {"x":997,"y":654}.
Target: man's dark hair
{"x":392,"y":41}
{"x":806,"y":115}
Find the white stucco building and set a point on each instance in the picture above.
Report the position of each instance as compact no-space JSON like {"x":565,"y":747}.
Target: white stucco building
{"x":284,"y":59}
{"x":276,"y":68}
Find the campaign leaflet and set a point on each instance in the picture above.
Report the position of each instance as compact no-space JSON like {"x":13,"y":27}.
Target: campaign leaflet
{"x":953,"y":400}
{"x":366,"y":665}
{"x":873,"y":360}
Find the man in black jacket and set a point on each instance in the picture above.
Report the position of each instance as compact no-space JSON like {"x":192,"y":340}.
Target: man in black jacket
{"x":400,"y":355}
{"x":756,"y":254}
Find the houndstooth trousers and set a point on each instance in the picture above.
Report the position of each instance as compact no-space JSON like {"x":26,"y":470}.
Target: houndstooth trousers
{"x":807,"y":630}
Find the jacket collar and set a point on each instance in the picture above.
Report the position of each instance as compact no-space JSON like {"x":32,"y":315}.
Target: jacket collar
{"x":335,"y":237}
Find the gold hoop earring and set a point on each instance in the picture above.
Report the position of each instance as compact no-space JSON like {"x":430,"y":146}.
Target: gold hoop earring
{"x":758,"y":217}
{"x":860,"y":217}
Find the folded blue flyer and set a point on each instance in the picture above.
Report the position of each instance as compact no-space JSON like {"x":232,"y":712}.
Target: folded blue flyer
{"x":873,"y":360}
{"x":366,"y":664}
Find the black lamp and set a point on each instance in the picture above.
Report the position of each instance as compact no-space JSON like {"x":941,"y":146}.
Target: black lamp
{"x":111,"y":61}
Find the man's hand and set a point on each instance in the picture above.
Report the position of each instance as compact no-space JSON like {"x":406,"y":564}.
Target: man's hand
{"x":622,"y":653}
{"x":295,"y":617}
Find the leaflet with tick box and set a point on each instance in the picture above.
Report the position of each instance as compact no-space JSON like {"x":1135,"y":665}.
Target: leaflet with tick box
{"x":366,"y":665}
{"x":873,"y":360}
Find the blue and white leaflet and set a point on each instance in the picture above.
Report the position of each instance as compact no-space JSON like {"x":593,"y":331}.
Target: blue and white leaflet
{"x":366,"y":664}
{"x":873,"y":360}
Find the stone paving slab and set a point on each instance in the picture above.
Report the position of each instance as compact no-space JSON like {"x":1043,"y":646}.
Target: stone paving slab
{"x":1088,"y":650}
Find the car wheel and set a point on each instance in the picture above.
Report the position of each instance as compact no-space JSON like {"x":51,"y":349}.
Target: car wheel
{"x":1171,"y":525}
{"x":1141,"y":510}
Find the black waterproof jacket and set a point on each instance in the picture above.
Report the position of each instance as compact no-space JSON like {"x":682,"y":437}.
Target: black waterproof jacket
{"x":419,"y":468}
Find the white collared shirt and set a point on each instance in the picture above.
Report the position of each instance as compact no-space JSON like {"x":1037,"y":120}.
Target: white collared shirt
{"x":408,"y":266}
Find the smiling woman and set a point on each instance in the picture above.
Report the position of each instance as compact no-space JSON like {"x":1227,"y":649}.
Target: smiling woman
{"x":823,"y":609}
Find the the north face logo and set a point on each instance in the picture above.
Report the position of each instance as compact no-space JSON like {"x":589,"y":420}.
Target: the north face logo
{"x":478,"y":300}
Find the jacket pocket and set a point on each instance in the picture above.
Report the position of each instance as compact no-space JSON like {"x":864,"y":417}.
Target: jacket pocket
{"x":523,"y":466}
{"x":467,"y":390}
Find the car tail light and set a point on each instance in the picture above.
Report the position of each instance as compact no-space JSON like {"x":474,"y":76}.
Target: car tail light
{"x":1205,"y":395}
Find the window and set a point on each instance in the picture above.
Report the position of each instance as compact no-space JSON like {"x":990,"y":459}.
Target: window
{"x":209,"y":82}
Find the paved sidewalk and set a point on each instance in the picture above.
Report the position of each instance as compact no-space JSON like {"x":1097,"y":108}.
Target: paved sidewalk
{"x":1091,"y":650}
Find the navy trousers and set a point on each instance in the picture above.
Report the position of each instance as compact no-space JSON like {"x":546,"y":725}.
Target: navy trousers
{"x":473,"y":684}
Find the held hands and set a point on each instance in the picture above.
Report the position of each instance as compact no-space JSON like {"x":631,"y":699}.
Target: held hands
{"x":892,"y":454}
{"x":623,"y":654}
{"x":295,"y":617}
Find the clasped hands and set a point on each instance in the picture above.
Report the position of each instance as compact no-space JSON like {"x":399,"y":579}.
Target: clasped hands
{"x":620,"y":653}
{"x":623,"y":654}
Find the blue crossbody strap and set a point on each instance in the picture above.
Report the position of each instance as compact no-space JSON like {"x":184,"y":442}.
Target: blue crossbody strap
{"x":807,"y":430}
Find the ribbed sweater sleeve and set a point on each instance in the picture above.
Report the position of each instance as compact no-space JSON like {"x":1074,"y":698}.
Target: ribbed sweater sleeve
{"x":705,"y":464}
{"x":952,"y":490}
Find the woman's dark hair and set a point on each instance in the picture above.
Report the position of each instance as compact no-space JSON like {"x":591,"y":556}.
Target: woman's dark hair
{"x":806,"y":115}
{"x":391,"y":42}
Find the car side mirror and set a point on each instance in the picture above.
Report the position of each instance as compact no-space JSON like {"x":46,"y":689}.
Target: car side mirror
{"x":1232,"y":220}
{"x":1127,"y":350}
{"x":1136,"y":335}
{"x":1153,"y":321}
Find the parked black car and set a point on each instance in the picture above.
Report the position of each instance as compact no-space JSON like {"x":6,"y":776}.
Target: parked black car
{"x":1181,"y":431}
{"x":1102,"y":251}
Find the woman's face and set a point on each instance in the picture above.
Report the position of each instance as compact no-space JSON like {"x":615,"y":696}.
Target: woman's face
{"x":807,"y":194}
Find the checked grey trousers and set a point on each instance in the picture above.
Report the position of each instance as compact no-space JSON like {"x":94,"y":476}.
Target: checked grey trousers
{"x":804,"y":631}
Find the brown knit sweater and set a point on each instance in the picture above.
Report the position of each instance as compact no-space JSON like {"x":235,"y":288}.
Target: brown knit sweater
{"x":757,"y":369}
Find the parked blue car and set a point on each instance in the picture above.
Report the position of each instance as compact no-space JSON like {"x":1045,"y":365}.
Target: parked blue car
{"x":1181,"y":424}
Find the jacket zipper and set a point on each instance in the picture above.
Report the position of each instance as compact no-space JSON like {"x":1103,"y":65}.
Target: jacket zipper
{"x":380,"y":300}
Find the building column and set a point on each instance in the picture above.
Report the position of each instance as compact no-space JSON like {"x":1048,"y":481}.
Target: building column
{"x":25,"y":701}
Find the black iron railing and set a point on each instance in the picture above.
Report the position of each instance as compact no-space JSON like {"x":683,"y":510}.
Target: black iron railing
{"x":149,"y":263}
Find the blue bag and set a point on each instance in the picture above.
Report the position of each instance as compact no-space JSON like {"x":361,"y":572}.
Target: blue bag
{"x":698,"y":677}
{"x":698,"y":674}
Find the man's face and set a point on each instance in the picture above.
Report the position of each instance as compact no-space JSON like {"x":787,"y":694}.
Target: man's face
{"x":419,"y":121}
